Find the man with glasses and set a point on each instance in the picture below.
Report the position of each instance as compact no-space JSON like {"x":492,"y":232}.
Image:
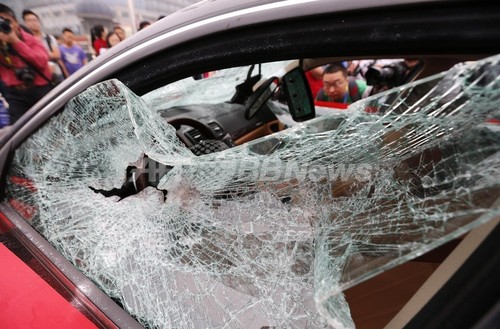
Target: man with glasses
{"x":24,"y":68}
{"x":338,"y":87}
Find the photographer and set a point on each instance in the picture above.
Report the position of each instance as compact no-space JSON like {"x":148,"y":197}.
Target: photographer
{"x":391,"y":75}
{"x":24,"y":68}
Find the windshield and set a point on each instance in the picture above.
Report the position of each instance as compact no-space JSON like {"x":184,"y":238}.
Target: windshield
{"x":271,"y":232}
{"x":211,"y":87}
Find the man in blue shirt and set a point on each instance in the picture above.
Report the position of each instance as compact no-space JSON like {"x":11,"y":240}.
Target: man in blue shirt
{"x":72,"y":55}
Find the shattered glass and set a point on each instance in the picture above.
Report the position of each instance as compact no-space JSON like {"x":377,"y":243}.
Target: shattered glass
{"x":269,"y":233}
{"x":216,"y":89}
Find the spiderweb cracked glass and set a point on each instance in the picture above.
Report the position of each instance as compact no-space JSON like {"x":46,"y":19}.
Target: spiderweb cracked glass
{"x":269,"y":233}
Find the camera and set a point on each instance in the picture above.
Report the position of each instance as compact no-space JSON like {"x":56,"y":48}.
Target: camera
{"x":25,"y":74}
{"x":5,"y":25}
{"x":392,"y":75}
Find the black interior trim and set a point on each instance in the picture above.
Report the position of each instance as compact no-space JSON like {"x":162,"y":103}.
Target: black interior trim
{"x":470,"y":298}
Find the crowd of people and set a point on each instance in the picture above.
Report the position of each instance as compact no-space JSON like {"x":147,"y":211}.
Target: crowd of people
{"x":102,"y":40}
{"x":32,"y":62}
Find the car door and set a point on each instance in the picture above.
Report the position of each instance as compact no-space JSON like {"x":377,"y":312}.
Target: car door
{"x":183,"y":253}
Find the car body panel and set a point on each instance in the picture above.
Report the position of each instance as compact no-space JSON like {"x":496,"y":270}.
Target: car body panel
{"x":30,"y":301}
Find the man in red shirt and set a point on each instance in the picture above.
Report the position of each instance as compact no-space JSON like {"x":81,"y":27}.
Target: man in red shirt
{"x":315,"y":78}
{"x":24,"y":68}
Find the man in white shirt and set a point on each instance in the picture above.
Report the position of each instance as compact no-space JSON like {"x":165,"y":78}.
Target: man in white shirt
{"x":32,"y":21}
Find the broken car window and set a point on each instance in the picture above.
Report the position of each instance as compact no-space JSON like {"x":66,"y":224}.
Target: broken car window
{"x":271,"y":232}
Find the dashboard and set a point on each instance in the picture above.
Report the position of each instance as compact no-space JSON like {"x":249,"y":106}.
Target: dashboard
{"x":225,"y":122}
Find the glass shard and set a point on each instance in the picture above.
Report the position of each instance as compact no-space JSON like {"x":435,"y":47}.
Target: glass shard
{"x":271,"y":232}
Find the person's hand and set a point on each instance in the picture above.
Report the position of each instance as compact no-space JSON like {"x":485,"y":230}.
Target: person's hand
{"x":352,"y":68}
{"x":10,"y":37}
{"x":317,"y":72}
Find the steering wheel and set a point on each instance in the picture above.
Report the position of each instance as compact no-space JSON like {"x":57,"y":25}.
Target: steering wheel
{"x":211,"y":142}
{"x":200,"y":126}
